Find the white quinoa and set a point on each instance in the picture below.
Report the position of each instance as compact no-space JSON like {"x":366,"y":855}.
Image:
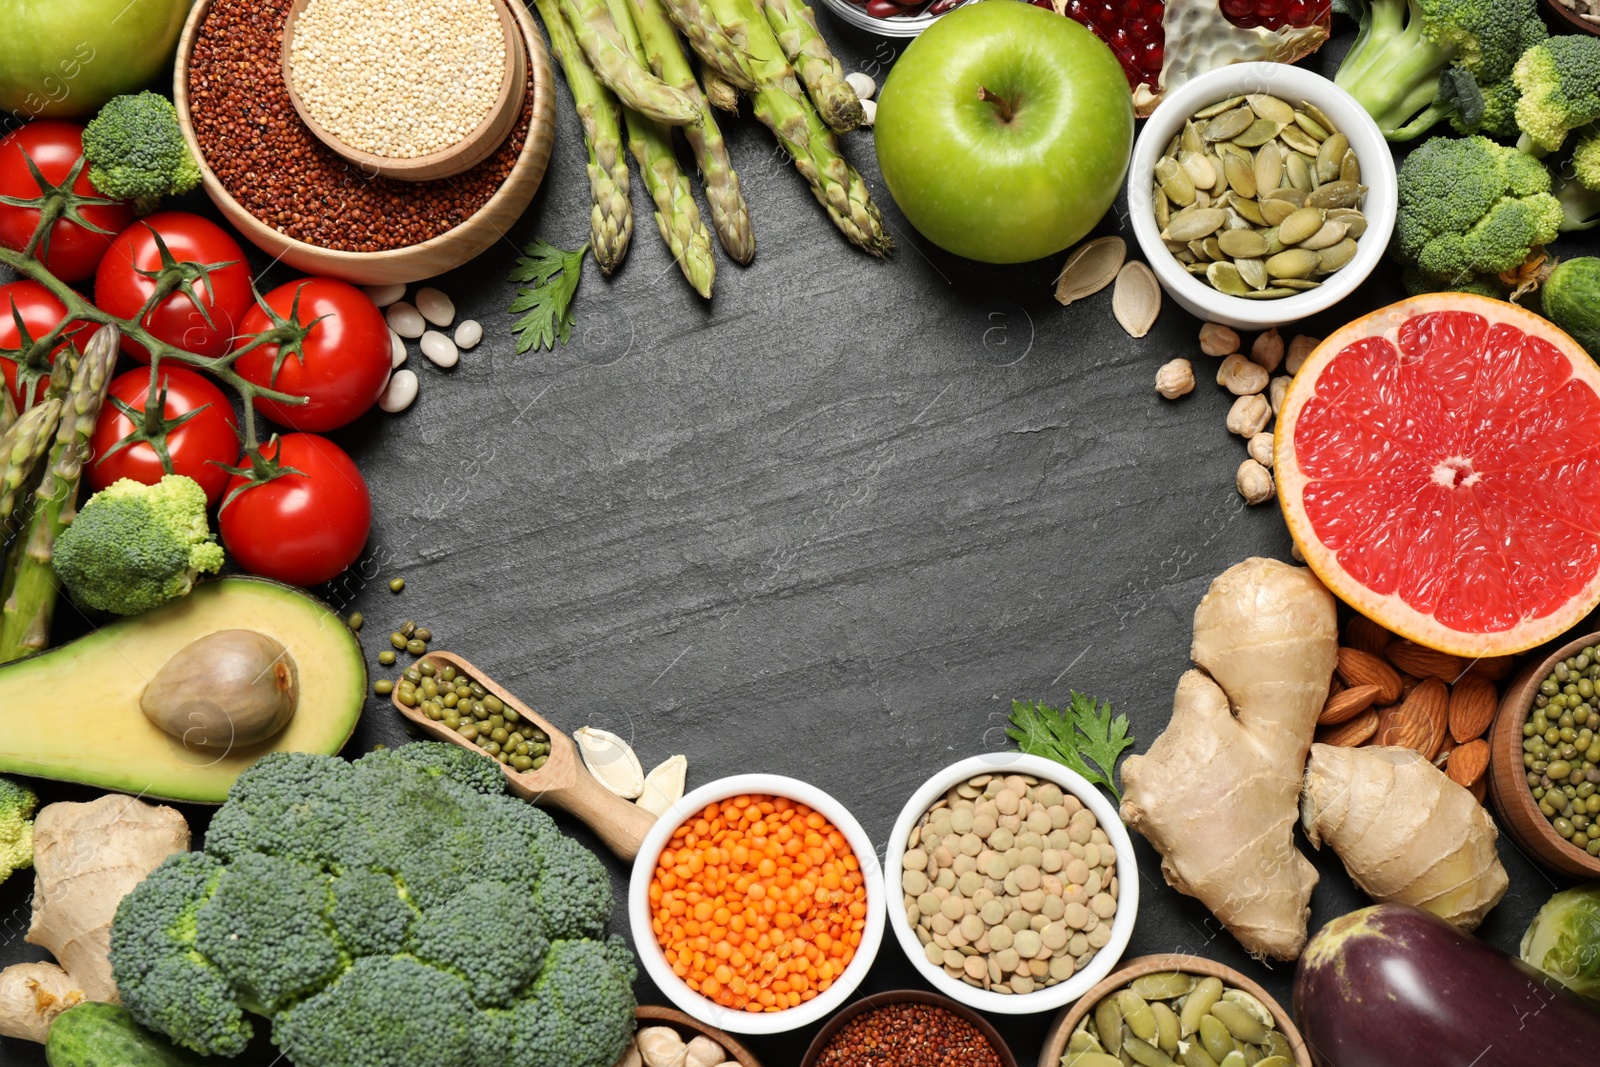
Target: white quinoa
{"x":398,"y":78}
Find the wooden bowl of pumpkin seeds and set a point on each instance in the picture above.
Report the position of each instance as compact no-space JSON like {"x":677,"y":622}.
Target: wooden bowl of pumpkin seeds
{"x":1261,"y":194}
{"x":1154,"y":1008}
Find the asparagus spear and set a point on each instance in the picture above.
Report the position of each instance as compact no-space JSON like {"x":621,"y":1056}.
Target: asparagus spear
{"x":783,"y":107}
{"x":8,"y":410}
{"x":795,"y":25}
{"x":20,"y":448}
{"x":721,"y":92}
{"x":665,"y":56}
{"x":28,"y":596}
{"x":611,"y":213}
{"x":677,"y":215}
{"x":619,"y":67}
{"x":716,"y":49}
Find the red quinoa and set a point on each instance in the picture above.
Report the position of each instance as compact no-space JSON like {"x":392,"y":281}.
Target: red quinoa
{"x":278,"y":171}
{"x":909,"y":1035}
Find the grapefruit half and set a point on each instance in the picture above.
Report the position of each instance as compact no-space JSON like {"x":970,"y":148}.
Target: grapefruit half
{"x":1437,"y":461}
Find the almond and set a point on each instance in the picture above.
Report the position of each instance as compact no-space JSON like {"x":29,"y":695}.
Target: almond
{"x":1352,"y":732}
{"x":1424,"y":662}
{"x":1361,"y":632}
{"x":1473,"y":702}
{"x":1494,"y":668}
{"x":1363,"y":668}
{"x":1407,"y":684}
{"x":1468,"y":763}
{"x":1480,"y":788}
{"x":1418,"y":723}
{"x":1347,"y":704}
{"x":1442,"y":758}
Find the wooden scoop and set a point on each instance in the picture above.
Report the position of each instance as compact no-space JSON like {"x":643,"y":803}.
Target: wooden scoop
{"x":563,"y":782}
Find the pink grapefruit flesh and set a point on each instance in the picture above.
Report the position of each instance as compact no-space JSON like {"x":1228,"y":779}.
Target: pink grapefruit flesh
{"x":1437,"y":464}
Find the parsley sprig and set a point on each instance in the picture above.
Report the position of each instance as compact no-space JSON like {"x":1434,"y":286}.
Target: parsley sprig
{"x":1083,"y":734}
{"x":554,"y":274}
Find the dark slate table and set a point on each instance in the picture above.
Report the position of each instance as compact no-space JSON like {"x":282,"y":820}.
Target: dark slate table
{"x":826,"y":526}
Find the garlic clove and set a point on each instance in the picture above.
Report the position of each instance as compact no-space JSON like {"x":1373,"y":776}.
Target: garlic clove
{"x":612,"y":761}
{"x":663,"y":787}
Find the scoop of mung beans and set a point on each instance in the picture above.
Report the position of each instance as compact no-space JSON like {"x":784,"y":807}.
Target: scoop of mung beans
{"x":1172,"y":1018}
{"x":453,"y":698}
{"x":1561,"y":749}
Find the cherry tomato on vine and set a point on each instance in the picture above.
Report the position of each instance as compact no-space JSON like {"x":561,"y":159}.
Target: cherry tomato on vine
{"x":341,"y":364}
{"x":298,"y":528}
{"x":126,"y":278}
{"x":40,"y":312}
{"x":199,"y":425}
{"x":55,"y":146}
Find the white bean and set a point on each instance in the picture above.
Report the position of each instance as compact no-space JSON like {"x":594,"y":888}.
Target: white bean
{"x":397,"y":349}
{"x":404,"y":319}
{"x":862,"y":84}
{"x":869,"y":113}
{"x":384,"y":295}
{"x":400,"y":392}
{"x":439,"y":349}
{"x":469,"y":333}
{"x":436,"y":307}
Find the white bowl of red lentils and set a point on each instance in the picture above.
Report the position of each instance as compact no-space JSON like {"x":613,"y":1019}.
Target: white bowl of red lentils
{"x":756,"y":904}
{"x":1010,"y":890}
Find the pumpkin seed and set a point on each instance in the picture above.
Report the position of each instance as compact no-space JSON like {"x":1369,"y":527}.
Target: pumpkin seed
{"x":1270,"y":107}
{"x":1251,"y":210}
{"x":1274,"y":211}
{"x":1274,"y":246}
{"x":1162,"y":207}
{"x":1229,"y":124}
{"x":1146,"y":1054}
{"x":1269,"y":166}
{"x":1090,"y":267}
{"x":1258,"y":133}
{"x":1199,"y":169}
{"x":1244,"y":243}
{"x":1299,"y":140}
{"x":1194,"y":222}
{"x":1316,"y":115}
{"x":1301,"y":224}
{"x":611,"y":760}
{"x":1253,"y":271}
{"x":1197,"y":249}
{"x":1225,"y":278}
{"x":1329,"y":235}
{"x":1236,"y":1058}
{"x":1350,"y":168}
{"x":1082,"y":1040}
{"x":1175,"y":181}
{"x":1190,"y":140}
{"x":1355,"y":223}
{"x":1298,"y":283}
{"x":1311,"y":126}
{"x":1163,"y":985}
{"x":1196,"y":268}
{"x":1330,"y":156}
{"x":663,"y":786}
{"x":1108,"y":1022}
{"x":1166,"y":1028}
{"x":1241,"y":176}
{"x":1219,"y":107}
{"x":1337,"y":194}
{"x":1213,"y":250}
{"x":1241,"y":1023}
{"x":1293,"y":195}
{"x":1214,"y":1036}
{"x":1293,"y":263}
{"x":1195,"y":1056}
{"x":1198,"y":1004}
{"x":1136,"y":298}
{"x":1299,"y":172}
{"x":1337,"y":257}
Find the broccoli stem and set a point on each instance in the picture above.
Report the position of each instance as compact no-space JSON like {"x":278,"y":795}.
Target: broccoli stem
{"x":30,"y":590}
{"x":1393,"y":70}
{"x":1580,"y":206}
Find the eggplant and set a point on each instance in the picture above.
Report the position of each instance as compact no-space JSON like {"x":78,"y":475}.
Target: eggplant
{"x":1393,"y":986}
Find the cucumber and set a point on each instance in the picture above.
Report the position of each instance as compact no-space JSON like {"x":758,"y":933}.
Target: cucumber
{"x":1572,"y":300}
{"x":104,"y":1035}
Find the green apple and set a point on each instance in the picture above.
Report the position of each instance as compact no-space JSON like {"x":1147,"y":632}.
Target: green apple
{"x":65,"y":58}
{"x":1003,"y":132}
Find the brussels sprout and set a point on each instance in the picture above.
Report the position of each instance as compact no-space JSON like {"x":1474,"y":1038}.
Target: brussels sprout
{"x":1563,"y":940}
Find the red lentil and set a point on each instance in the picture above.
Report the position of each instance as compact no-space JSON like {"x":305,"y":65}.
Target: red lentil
{"x":278,"y":171}
{"x":909,"y":1035}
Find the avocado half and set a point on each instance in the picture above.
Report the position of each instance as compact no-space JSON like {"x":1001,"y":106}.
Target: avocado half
{"x":72,"y":713}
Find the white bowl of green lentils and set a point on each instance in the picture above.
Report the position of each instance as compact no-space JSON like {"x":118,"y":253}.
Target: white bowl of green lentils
{"x":1012,"y":896}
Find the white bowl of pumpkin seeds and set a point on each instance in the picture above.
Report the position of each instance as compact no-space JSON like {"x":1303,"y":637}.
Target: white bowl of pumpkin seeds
{"x":1033,"y":858}
{"x":1311,"y":121}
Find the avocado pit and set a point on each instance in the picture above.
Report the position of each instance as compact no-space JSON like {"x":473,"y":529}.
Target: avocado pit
{"x":228,"y":689}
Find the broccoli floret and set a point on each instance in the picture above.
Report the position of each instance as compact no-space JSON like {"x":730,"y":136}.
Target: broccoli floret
{"x":1471,"y":207}
{"x":1580,"y":193}
{"x":1489,"y":108}
{"x":136,"y":151}
{"x":17,"y":804}
{"x":1560,"y":85}
{"x":1408,"y":50}
{"x":134,"y":547}
{"x":389,"y":912}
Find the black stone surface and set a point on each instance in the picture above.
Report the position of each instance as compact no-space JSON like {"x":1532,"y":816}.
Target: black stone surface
{"x":827,"y":526}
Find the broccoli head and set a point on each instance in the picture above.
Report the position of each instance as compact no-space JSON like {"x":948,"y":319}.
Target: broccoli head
{"x":136,"y":151}
{"x":395,"y":911}
{"x":1579,"y":193}
{"x":1488,"y":107}
{"x":1470,"y":208}
{"x":17,"y":804}
{"x":1560,"y":85}
{"x":134,"y":547}
{"x":1415,"y":62}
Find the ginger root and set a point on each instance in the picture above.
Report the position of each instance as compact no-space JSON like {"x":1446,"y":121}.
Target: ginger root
{"x":1404,"y":831}
{"x":87,"y":857}
{"x":1218,"y":792}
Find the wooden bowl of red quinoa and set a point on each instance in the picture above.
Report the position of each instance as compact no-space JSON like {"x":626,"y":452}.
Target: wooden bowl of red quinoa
{"x":299,"y":201}
{"x":938,"y":1045}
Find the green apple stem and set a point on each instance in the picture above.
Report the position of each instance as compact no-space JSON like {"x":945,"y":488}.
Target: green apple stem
{"x":1002,"y":106}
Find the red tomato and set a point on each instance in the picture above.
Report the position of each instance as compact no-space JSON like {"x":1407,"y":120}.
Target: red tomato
{"x":299,"y":528}
{"x":54,"y":146}
{"x":344,"y":359}
{"x":40,"y":311}
{"x":120,"y":289}
{"x":196,"y":447}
